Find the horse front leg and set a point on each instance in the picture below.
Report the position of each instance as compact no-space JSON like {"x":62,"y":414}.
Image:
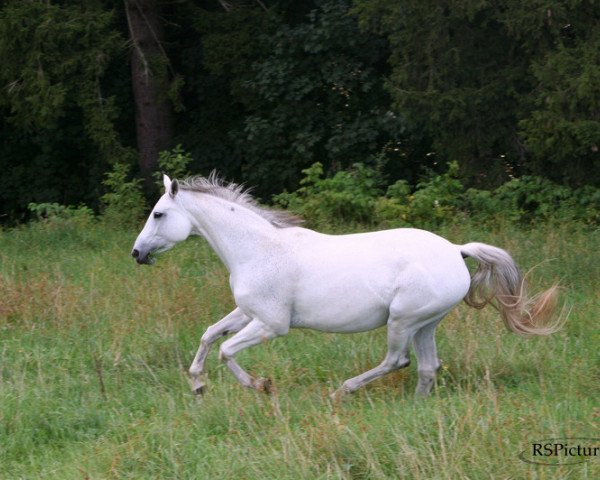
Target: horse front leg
{"x":231,"y":323}
{"x":253,"y":334}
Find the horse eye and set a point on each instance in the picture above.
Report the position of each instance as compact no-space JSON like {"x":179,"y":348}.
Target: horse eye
{"x":158,"y":214}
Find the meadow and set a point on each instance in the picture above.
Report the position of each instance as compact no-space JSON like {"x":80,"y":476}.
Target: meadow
{"x":94,"y":352}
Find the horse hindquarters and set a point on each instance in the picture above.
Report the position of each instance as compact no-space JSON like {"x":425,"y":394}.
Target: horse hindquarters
{"x":425,"y":294}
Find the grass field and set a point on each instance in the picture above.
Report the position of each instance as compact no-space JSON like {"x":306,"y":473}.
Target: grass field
{"x":94,"y":352}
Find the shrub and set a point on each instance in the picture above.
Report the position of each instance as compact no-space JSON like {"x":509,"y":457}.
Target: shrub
{"x":392,"y":210}
{"x":532,"y":199}
{"x":347,"y":197}
{"x":529,"y":198}
{"x":62,"y":226}
{"x":355,"y":196}
{"x":54,"y":213}
{"x":436,"y":199}
{"x":174,"y":163}
{"x":584,"y":204}
{"x":124,"y":202}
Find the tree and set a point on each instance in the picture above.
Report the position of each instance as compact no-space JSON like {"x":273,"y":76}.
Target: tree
{"x":503,"y":87}
{"x":150,"y":83}
{"x":562,"y":130}
{"x":311,"y":90}
{"x":262,"y":89}
{"x":57,"y":127}
{"x":456,"y":76}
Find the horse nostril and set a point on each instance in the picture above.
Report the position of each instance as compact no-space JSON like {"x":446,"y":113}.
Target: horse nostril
{"x":135,"y":253}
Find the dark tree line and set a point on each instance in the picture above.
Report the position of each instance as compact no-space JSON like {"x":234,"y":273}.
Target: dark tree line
{"x":262,"y":89}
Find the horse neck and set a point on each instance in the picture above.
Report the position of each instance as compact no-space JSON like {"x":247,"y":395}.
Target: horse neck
{"x":237,"y":234}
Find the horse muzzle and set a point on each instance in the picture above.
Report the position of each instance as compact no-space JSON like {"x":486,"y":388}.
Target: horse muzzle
{"x":141,"y":258}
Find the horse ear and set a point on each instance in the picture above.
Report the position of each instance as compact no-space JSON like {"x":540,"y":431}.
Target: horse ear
{"x":174,"y":188}
{"x":166,"y":182}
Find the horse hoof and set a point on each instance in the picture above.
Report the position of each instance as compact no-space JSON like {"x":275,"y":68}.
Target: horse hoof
{"x":264,"y":385}
{"x":199,"y":390}
{"x":339,"y":395}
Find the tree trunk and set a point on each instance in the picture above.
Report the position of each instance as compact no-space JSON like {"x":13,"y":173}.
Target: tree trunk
{"x":149,"y":77}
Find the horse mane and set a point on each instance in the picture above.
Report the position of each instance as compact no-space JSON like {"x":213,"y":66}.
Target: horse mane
{"x":236,"y":193}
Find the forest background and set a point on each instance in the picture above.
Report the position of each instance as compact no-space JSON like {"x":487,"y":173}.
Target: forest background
{"x":261,"y":90}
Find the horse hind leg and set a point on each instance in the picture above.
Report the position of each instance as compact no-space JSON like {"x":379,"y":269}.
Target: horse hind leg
{"x":426,"y":353}
{"x":398,"y":341}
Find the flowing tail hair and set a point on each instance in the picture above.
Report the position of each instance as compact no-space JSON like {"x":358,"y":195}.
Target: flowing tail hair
{"x":498,"y":281}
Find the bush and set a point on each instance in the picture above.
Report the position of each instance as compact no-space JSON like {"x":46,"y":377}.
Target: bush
{"x":174,"y":163}
{"x":355,"y":196}
{"x":62,"y":226}
{"x":347,"y":197}
{"x":124,"y":202}
{"x":56,"y":214}
{"x":585,"y":204}
{"x":532,"y":199}
{"x":437,"y":199}
{"x":392,"y":210}
{"x":529,"y":198}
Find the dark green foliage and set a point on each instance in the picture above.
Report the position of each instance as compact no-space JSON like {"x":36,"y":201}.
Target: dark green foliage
{"x":503,"y":87}
{"x":318,"y":96}
{"x":283,"y":89}
{"x":124,"y":203}
{"x":263,"y":90}
{"x":53,"y":57}
{"x":356,"y":196}
{"x":532,"y":198}
{"x":174,"y":163}
{"x":563,"y":130}
{"x":54,"y":212}
{"x":214,"y":51}
{"x":347,"y":197}
{"x":453,"y":65}
{"x":560,"y":127}
{"x":58,"y":120}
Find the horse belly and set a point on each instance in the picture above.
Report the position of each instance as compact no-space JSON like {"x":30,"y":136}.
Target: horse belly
{"x":339,"y":307}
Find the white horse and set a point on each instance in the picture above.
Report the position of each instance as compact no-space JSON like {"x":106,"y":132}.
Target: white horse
{"x":283,"y":276}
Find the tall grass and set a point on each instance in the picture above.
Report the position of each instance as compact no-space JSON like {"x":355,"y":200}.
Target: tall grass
{"x":94,"y":352}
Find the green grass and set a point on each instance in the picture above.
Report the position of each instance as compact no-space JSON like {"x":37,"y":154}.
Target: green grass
{"x":94,"y":352}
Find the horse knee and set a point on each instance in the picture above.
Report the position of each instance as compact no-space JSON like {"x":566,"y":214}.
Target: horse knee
{"x":225,"y":352}
{"x":210,"y":335}
{"x":206,"y":337}
{"x":222,"y":354}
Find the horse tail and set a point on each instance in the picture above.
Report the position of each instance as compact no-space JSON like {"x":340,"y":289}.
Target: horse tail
{"x":499,"y":282}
